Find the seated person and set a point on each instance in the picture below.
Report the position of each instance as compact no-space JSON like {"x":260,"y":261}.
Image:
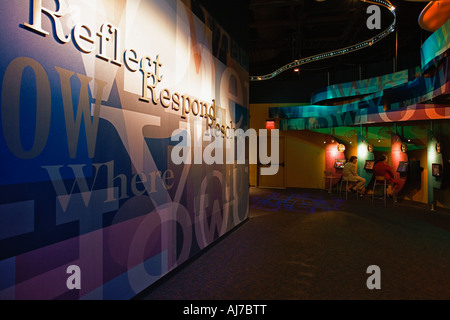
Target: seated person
{"x":349,"y":173}
{"x":382,"y":168}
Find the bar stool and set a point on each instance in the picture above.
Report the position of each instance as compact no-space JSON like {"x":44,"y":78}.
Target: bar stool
{"x":347,"y":181}
{"x":381,"y":182}
{"x":328,"y":175}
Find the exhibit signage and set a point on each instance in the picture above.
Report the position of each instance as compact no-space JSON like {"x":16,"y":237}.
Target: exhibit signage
{"x":97,"y":97}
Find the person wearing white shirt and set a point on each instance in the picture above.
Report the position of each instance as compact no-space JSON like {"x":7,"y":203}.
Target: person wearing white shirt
{"x":349,"y":173}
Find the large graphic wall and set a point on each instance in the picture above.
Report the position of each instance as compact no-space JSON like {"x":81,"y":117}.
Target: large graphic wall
{"x":111,"y":112}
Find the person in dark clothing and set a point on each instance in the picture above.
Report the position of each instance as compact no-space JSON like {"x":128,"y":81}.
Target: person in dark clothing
{"x":382,"y":168}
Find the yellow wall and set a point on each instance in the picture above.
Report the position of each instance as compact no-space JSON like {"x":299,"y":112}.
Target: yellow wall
{"x":305,"y":160}
{"x":305,"y":155}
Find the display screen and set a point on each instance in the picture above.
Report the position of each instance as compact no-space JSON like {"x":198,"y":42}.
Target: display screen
{"x":339,"y":163}
{"x":403,"y":166}
{"x":436,"y":170}
{"x":369,"y":165}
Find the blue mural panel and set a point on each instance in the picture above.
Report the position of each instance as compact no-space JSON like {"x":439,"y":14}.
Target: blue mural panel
{"x":93,"y":204}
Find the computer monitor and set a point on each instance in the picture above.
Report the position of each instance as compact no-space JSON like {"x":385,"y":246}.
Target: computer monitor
{"x":403,"y":166}
{"x":339,"y":163}
{"x":369,"y":165}
{"x":436,"y":170}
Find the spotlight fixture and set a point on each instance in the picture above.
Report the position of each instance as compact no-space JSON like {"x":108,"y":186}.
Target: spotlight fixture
{"x":404,"y":147}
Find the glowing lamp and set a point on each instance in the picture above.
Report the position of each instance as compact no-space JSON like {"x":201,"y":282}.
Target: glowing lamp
{"x":270,"y":124}
{"x":341,"y":147}
{"x":438,"y":147}
{"x":404,"y":147}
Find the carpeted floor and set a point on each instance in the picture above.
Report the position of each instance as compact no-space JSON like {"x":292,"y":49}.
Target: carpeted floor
{"x":308,"y":245}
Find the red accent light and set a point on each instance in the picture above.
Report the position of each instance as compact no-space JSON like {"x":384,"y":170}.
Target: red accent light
{"x":270,"y":124}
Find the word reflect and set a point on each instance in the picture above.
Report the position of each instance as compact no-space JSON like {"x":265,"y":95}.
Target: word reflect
{"x":108,"y":50}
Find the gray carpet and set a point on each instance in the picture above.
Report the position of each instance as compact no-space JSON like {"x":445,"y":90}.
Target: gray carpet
{"x":306,"y":245}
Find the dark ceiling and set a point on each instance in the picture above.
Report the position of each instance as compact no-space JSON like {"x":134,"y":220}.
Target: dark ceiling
{"x":281,"y":31}
{"x":276,"y":32}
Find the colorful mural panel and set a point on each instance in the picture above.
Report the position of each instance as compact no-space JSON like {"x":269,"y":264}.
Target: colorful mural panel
{"x":364,"y":87}
{"x":435,"y":46}
{"x":95,"y":98}
{"x":401,"y":96}
{"x":405,"y":102}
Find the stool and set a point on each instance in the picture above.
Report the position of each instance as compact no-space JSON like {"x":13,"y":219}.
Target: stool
{"x":381,"y":182}
{"x":329,"y":175}
{"x":346,"y":187}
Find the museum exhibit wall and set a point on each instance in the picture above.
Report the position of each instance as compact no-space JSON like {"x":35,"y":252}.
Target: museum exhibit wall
{"x":115,"y":118}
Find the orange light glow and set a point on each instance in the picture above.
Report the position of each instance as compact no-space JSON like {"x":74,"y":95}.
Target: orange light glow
{"x":434,"y":15}
{"x":270,"y":124}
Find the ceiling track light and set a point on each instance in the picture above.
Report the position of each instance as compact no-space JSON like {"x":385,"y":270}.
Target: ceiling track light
{"x":338,"y":52}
